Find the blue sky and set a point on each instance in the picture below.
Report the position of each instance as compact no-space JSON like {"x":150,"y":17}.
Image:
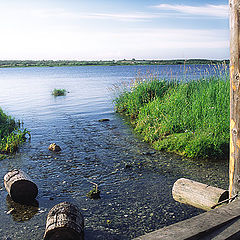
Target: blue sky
{"x":114,"y":29}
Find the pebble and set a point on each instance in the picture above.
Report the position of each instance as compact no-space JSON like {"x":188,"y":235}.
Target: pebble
{"x":8,"y":212}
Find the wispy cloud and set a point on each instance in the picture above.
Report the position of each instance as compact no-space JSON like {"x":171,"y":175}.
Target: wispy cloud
{"x":127,"y":16}
{"x":206,"y":10}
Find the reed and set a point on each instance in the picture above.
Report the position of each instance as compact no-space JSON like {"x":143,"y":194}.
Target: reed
{"x":59,"y":92}
{"x":10,"y":134}
{"x":189,"y":118}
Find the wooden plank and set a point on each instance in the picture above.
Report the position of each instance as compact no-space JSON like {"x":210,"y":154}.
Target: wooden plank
{"x":201,"y":226}
{"x":234,"y":165}
{"x":198,"y":194}
{"x":229,"y":231}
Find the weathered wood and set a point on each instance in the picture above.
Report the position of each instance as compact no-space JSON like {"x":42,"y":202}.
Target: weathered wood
{"x":20,"y":186}
{"x":234,"y":165}
{"x":218,"y":224}
{"x":64,"y":222}
{"x":198,"y":194}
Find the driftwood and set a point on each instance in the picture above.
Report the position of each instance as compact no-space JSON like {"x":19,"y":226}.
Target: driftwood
{"x":198,"y":194}
{"x":20,"y":186}
{"x":64,"y":222}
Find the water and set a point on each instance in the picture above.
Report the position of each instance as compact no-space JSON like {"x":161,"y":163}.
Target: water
{"x":135,"y":181}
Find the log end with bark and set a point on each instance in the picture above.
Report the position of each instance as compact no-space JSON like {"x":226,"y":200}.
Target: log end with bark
{"x":64,"y":222}
{"x":20,"y":187}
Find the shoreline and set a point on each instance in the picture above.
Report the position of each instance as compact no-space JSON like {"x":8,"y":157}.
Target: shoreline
{"x":186,"y":118}
{"x":133,"y":62}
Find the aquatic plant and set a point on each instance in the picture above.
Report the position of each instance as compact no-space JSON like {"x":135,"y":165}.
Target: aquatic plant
{"x":10,"y":134}
{"x":189,"y":118}
{"x":94,"y":193}
{"x":59,"y":92}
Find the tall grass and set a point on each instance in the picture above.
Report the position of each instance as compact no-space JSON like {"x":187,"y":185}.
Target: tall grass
{"x":189,"y":118}
{"x":140,"y":93}
{"x":10,"y":134}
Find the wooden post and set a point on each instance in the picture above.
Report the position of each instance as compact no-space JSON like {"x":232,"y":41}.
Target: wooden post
{"x":234,"y":165}
{"x":20,"y":186}
{"x":64,"y":221}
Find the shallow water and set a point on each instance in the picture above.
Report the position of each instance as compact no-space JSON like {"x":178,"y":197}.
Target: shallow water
{"x":135,"y":180}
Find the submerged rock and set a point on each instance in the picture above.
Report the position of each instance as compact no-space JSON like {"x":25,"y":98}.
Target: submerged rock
{"x":149,"y":153}
{"x":104,"y":120}
{"x":54,"y":147}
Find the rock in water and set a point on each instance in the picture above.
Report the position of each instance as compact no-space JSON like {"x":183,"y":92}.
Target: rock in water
{"x":104,"y":120}
{"x":54,"y":147}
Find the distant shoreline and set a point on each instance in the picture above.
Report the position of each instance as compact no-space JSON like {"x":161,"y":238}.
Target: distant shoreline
{"x":124,"y":62}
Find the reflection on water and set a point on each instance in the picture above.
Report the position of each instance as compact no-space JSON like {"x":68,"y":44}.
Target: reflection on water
{"x":21,"y":212}
{"x":135,"y":181}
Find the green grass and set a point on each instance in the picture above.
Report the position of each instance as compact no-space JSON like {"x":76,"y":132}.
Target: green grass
{"x":189,"y":118}
{"x":59,"y":92}
{"x":10,"y":134}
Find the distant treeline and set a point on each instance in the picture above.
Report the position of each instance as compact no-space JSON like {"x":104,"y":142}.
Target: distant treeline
{"x":60,"y":63}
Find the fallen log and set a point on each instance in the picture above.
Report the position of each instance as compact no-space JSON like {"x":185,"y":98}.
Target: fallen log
{"x":20,"y":186}
{"x":64,"y":221}
{"x":198,"y":194}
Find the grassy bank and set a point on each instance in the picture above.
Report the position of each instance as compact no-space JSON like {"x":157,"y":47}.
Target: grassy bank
{"x":189,"y":118}
{"x":10,"y":135}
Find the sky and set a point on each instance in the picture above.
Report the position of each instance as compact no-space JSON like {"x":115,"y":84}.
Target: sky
{"x":113,"y":29}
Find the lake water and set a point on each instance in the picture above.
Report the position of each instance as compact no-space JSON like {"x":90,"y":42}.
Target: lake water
{"x":135,"y":181}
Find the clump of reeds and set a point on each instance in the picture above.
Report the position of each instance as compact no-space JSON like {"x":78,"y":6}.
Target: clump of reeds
{"x":141,"y":92}
{"x":190,"y":118}
{"x":10,"y":135}
{"x":59,"y":92}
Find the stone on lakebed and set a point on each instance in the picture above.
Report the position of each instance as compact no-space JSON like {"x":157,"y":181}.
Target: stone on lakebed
{"x":54,"y":147}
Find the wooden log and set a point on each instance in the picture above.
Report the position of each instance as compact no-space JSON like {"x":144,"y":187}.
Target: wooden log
{"x":234,"y":165}
{"x":198,"y":194}
{"x":20,"y":186}
{"x":64,"y":222}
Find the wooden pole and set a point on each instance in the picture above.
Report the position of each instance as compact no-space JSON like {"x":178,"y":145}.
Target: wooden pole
{"x":234,"y":164}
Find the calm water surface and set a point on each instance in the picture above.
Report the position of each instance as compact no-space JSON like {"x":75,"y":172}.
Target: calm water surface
{"x":135,"y":181}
